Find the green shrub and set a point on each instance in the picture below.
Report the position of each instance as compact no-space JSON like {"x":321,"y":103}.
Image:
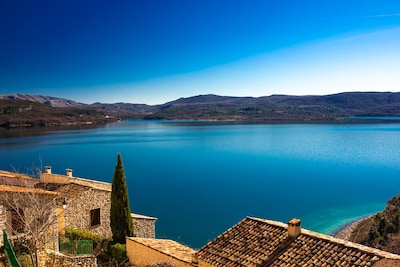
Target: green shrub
{"x":118,"y":252}
{"x":77,"y":234}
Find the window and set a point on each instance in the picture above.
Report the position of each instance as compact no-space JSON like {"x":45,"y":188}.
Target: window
{"x":95,"y":217}
{"x":17,"y":220}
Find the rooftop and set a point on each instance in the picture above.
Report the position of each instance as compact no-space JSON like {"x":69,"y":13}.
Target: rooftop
{"x":16,"y":179}
{"x":256,"y":242}
{"x":20,"y":189}
{"x":168,"y":247}
{"x":139,"y":216}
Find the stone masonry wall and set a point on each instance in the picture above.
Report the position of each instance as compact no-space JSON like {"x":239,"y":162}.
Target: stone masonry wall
{"x":144,"y":227}
{"x":2,"y":223}
{"x":63,"y":179}
{"x":77,"y":213}
{"x":50,"y":258}
{"x":91,"y":183}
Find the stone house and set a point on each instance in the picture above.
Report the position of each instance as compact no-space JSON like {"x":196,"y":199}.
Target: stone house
{"x":256,"y":242}
{"x":86,"y":202}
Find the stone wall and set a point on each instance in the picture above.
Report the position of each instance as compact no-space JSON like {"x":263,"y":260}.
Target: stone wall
{"x":144,"y":227}
{"x":2,"y":223}
{"x":53,"y":178}
{"x":77,"y":213}
{"x":51,"y":258}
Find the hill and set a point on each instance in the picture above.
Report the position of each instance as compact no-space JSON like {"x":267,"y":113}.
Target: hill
{"x":46,"y":100}
{"x":24,"y":113}
{"x":281,"y":107}
{"x":35,"y":110}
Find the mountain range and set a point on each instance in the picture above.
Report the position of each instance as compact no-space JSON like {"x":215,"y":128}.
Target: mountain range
{"x":37,"y":110}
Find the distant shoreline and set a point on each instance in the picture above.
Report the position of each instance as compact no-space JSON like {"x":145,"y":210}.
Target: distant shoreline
{"x":345,"y":231}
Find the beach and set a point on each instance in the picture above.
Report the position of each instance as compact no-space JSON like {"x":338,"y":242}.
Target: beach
{"x":347,"y":230}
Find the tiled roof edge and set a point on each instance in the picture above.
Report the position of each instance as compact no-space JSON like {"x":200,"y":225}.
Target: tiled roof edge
{"x":275,"y":223}
{"x":23,"y":189}
{"x":141,"y":216}
{"x":8,"y":174}
{"x":375,"y":251}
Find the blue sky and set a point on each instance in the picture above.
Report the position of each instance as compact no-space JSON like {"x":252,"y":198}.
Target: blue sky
{"x":154,"y":51}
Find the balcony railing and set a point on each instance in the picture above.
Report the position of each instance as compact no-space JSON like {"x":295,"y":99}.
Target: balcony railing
{"x":76,"y":247}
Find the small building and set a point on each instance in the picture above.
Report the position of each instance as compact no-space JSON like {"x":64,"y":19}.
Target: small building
{"x":146,"y":251}
{"x":256,"y":242}
{"x":86,"y":202}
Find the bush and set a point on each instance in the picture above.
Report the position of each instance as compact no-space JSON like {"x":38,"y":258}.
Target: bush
{"x":77,"y":234}
{"x":118,"y":252}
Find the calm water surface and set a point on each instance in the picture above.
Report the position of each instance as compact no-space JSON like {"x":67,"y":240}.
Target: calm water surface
{"x":200,"y":179}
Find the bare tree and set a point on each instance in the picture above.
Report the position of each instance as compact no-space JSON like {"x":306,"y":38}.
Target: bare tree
{"x":31,"y":216}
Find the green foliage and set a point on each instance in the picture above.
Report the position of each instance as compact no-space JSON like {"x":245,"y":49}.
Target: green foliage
{"x":77,"y":234}
{"x":121,"y":220}
{"x":385,"y":223}
{"x":118,"y":252}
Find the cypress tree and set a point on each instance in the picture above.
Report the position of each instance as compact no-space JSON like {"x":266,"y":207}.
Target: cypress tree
{"x":120,"y":213}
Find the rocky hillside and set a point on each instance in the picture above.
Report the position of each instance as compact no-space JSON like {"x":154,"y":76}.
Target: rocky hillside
{"x":46,"y":100}
{"x":381,"y":230}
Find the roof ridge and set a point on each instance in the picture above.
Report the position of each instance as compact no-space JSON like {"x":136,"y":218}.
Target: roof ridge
{"x":347,"y":243}
{"x":333,"y":239}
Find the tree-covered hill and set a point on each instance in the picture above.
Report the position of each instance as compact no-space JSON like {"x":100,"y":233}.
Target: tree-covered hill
{"x":24,"y":113}
{"x":281,"y":107}
{"x":32,"y":110}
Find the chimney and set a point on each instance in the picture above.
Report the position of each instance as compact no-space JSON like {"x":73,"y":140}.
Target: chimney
{"x":294,"y":229}
{"x":69,"y":172}
{"x":47,"y":169}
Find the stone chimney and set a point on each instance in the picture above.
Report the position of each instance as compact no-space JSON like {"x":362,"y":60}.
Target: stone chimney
{"x":47,"y":169}
{"x":294,"y":229}
{"x":69,"y":172}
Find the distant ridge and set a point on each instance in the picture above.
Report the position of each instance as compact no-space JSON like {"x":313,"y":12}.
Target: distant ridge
{"x":282,"y":107}
{"x":46,"y":100}
{"x":274,"y":108}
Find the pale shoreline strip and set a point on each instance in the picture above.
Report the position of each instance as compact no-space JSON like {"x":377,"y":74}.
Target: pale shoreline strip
{"x":346,"y":231}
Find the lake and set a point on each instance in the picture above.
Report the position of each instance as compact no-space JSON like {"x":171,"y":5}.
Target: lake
{"x":200,"y":178}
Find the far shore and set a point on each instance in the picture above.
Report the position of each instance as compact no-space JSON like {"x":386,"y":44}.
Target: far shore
{"x":346,"y":231}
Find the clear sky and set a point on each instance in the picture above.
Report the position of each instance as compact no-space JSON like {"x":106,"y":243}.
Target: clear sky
{"x":154,"y":51}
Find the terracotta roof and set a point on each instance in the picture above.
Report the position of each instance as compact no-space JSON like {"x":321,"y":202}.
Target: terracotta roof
{"x":256,"y":242}
{"x":168,"y":247}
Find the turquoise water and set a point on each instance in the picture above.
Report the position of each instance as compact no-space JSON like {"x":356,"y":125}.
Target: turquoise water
{"x":201,"y":178}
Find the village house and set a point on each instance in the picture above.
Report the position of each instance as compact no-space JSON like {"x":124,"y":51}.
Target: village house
{"x":76,"y":203}
{"x":255,"y":242}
